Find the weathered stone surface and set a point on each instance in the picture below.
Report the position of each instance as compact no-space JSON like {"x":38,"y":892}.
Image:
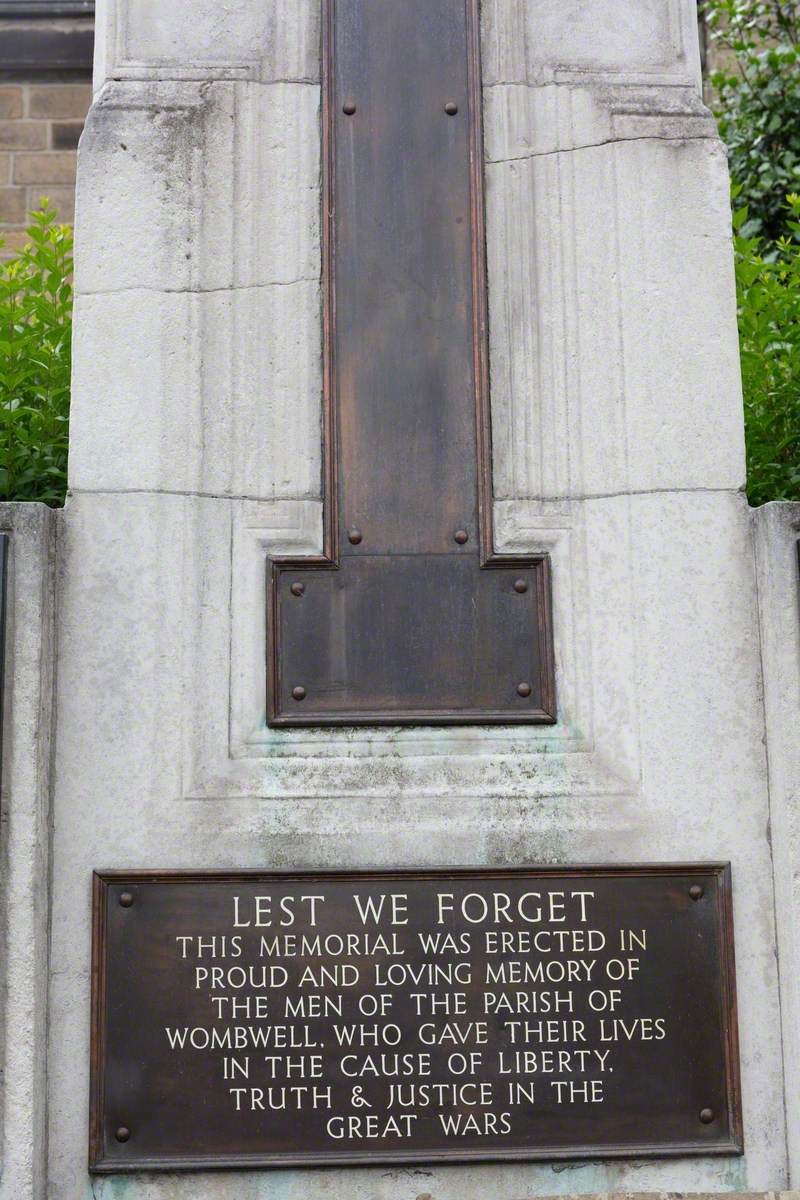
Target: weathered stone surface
{"x":196,"y":187}
{"x":522,"y":121}
{"x":198,"y":232}
{"x":25,"y":849}
{"x":536,"y":41}
{"x":777,"y":539}
{"x":610,"y":284}
{"x":677,"y":721}
{"x":209,"y":39}
{"x":215,"y":392}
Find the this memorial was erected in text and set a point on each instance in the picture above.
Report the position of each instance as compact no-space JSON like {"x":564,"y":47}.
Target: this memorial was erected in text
{"x":399,"y":1016}
{"x":399,"y":773}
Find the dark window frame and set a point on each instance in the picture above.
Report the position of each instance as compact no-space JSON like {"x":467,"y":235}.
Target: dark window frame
{"x":46,"y":8}
{"x":46,"y":37}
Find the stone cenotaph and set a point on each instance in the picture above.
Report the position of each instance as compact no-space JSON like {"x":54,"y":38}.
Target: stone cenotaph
{"x":401,"y":777}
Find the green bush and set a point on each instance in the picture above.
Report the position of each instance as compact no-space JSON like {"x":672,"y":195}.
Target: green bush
{"x":35,"y":361}
{"x":768,"y":294}
{"x":758,"y":103}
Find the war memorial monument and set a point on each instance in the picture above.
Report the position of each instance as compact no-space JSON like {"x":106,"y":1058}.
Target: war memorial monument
{"x":401,"y":749}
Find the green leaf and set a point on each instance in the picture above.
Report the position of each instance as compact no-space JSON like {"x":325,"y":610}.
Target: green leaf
{"x":35,"y":362}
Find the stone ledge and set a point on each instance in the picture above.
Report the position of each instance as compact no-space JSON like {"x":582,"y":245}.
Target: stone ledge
{"x":791,"y":1195}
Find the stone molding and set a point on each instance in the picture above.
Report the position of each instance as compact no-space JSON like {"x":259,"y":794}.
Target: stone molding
{"x":218,"y":39}
{"x":651,"y":42}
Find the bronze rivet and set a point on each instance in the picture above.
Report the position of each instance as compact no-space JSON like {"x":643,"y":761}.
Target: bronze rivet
{"x":461,"y":536}
{"x":450,"y":108}
{"x":348,"y":108}
{"x":706,"y":1115}
{"x":122,"y":1134}
{"x":126,"y":900}
{"x":299,"y":693}
{"x":354,"y":536}
{"x":298,"y":589}
{"x":521,"y":586}
{"x":524,"y":690}
{"x":696,"y":891}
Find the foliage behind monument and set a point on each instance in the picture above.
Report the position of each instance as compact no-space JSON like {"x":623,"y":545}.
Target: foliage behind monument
{"x":35,"y":363}
{"x":757,"y":103}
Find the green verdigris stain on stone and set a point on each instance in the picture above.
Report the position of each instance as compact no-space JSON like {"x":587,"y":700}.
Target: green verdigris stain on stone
{"x":117,"y":1187}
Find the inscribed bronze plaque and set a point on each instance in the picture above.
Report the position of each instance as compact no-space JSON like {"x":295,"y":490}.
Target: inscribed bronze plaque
{"x":409,"y":615}
{"x":256,"y":1019}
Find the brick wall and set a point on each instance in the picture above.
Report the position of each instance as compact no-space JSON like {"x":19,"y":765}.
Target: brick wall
{"x":40,"y":123}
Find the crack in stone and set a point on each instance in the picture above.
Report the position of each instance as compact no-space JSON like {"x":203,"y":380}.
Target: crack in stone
{"x":523,"y":500}
{"x":203,"y":80}
{"x":618,"y":141}
{"x":191,"y":494}
{"x":199,"y":291}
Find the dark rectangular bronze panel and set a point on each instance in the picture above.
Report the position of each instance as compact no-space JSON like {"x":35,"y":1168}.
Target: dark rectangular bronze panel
{"x":408,"y":491}
{"x":632,"y":965}
{"x":429,"y":635}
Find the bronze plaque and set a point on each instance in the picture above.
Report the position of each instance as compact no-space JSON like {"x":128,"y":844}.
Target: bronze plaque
{"x":409,"y":615}
{"x":256,"y":1018}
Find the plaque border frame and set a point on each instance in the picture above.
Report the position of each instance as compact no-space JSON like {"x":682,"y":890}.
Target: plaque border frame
{"x":102,"y":879}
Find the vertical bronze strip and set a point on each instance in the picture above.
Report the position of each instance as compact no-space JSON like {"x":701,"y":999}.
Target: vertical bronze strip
{"x":405,"y":618}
